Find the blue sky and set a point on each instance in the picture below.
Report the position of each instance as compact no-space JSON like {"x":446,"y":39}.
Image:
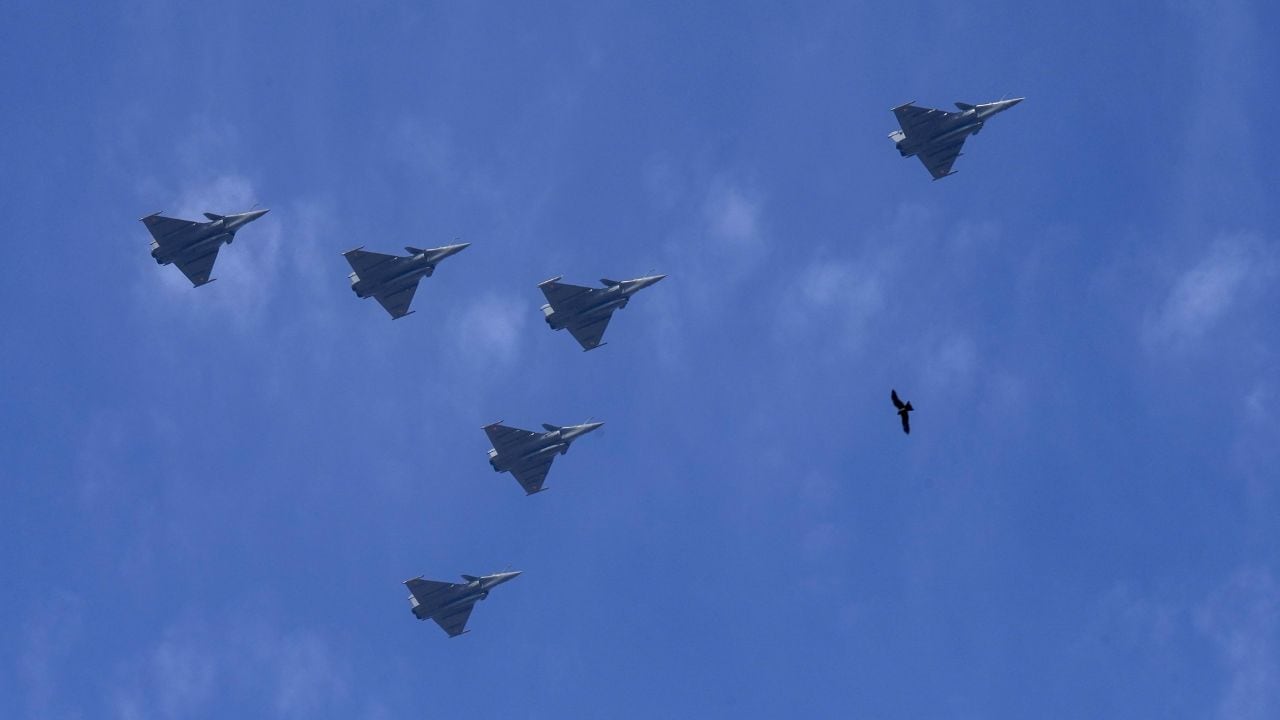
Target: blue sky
{"x":211,"y":496}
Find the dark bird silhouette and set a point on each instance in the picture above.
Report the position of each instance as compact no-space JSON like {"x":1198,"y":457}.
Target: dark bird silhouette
{"x":903,"y":409}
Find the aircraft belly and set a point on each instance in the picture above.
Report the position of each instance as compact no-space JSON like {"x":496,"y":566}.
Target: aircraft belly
{"x":530,"y":458}
{"x":387,"y":288}
{"x":199,"y":248}
{"x":406,"y":278}
{"x":607,"y":307}
{"x":951,"y":135}
{"x":457,"y":603}
{"x":592,"y":316}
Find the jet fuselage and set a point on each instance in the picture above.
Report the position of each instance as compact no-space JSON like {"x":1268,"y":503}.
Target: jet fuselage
{"x":954,"y":126}
{"x":549,"y":443}
{"x":542,"y":447}
{"x":599,"y":303}
{"x":210,"y":234}
{"x":406,"y":273}
{"x":602,"y":303}
{"x":400,"y":273}
{"x":473,"y":591}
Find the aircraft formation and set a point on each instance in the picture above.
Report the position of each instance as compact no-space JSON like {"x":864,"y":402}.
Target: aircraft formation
{"x":935,"y":136}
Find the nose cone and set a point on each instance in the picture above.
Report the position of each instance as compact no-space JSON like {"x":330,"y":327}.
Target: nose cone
{"x":502,"y":577}
{"x":248,"y":217}
{"x":1002,"y":105}
{"x":435,"y":255}
{"x":573,"y":432}
{"x":647,"y":281}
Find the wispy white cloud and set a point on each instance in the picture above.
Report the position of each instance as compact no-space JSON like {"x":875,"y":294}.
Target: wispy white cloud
{"x":1230,"y":273}
{"x":1136,"y":619}
{"x":664,"y":183}
{"x":428,"y":148}
{"x":1259,"y":404}
{"x":488,"y":330}
{"x":720,"y":237}
{"x":305,"y":674}
{"x":1218,"y":164}
{"x":183,"y":671}
{"x":197,"y":663}
{"x":49,"y":638}
{"x":840,"y":297}
{"x":950,"y":365}
{"x":733,"y":217}
{"x":1242,"y":619}
{"x":1255,"y":455}
{"x":724,"y":238}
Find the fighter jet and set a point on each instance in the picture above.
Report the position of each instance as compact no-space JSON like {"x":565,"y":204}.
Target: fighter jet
{"x":527,"y":455}
{"x":393,"y":279}
{"x":450,"y":604}
{"x":193,"y":246}
{"x":903,"y":409}
{"x":935,"y":136}
{"x":586,"y":311}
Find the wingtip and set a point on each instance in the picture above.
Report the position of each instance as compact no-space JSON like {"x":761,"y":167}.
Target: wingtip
{"x":548,"y":282}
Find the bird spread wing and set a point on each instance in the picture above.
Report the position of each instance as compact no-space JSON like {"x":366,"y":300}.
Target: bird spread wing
{"x":893,"y":395}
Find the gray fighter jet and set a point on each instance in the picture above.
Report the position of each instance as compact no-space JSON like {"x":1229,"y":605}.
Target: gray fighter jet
{"x":527,"y":455}
{"x":935,"y":136}
{"x":586,"y":311}
{"x":193,"y":246}
{"x":393,"y":279}
{"x":450,"y":604}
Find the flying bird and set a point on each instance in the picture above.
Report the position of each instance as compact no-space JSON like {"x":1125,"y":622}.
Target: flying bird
{"x":903,"y":409}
